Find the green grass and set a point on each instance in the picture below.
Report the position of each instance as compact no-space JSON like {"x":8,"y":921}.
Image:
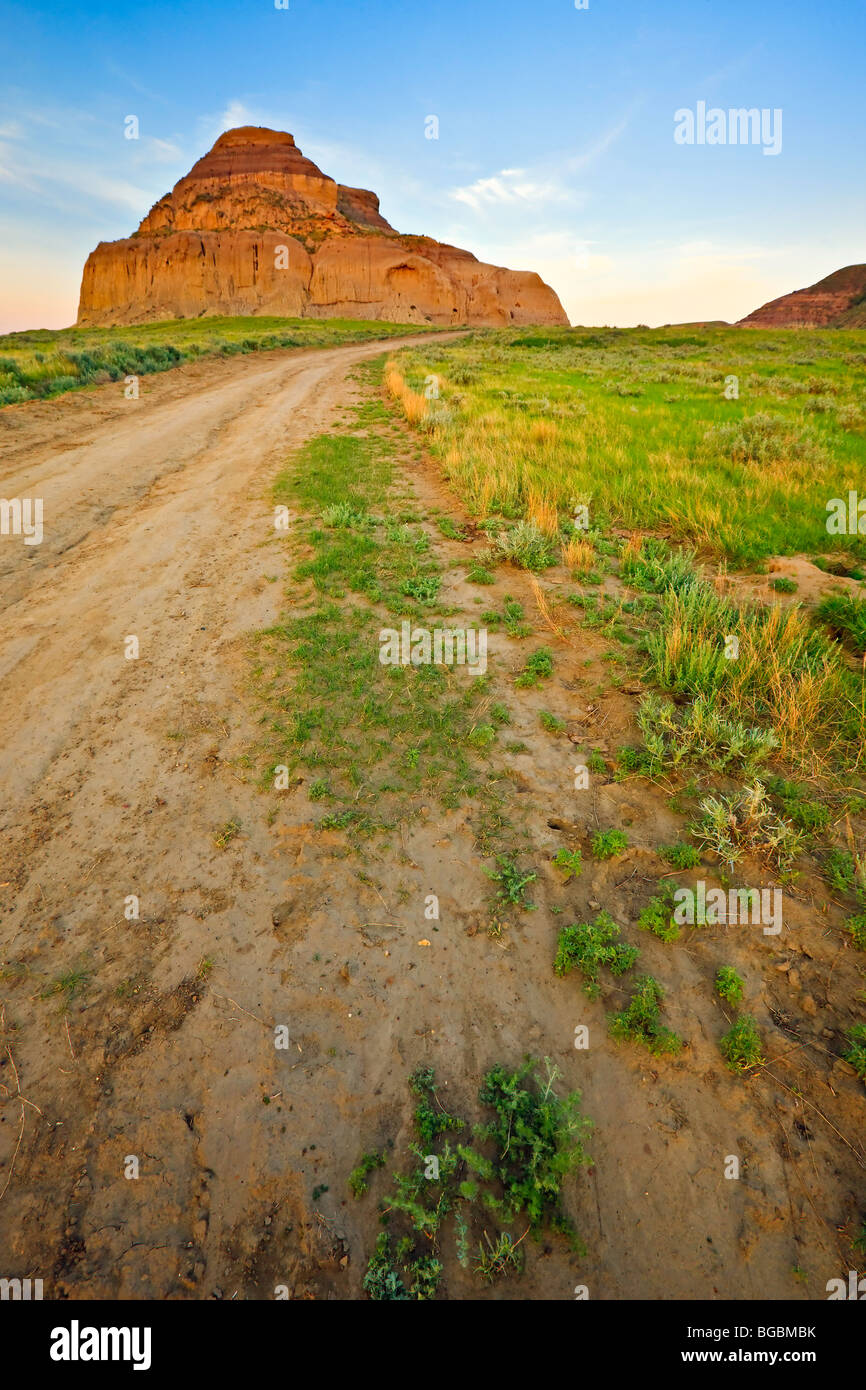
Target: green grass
{"x":551,"y":722}
{"x":856,"y":929}
{"x":67,"y":986}
{"x":787,"y":675}
{"x":47,"y":362}
{"x":845,"y":615}
{"x":368,"y":735}
{"x":636,"y":421}
{"x":802,"y":810}
{"x":498,"y":1258}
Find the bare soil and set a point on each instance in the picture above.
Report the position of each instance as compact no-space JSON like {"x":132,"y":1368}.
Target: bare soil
{"x":119,"y":778}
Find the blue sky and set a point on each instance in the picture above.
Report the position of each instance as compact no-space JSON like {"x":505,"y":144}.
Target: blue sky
{"x":555,"y":149}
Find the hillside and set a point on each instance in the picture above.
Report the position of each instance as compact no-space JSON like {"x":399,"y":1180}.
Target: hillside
{"x":838,"y":301}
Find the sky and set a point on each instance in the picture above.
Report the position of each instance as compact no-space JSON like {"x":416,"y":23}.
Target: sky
{"x":556,"y":147}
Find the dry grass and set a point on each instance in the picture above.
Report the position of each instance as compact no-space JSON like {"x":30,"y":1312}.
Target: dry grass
{"x":578,"y":554}
{"x":415,"y":406}
{"x":543,"y":512}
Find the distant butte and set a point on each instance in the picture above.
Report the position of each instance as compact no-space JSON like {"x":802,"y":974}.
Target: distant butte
{"x":838,"y":301}
{"x":256,"y":228}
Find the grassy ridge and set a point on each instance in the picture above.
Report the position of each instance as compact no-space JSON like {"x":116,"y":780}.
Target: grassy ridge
{"x":636,"y":424}
{"x":46,"y":362}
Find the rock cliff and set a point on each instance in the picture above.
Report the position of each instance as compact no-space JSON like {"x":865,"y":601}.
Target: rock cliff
{"x":256,"y":228}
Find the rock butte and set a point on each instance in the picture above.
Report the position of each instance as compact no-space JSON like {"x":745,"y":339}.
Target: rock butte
{"x":256,"y":228}
{"x":838,"y":301}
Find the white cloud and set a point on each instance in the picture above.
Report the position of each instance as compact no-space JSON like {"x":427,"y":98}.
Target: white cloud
{"x":511,"y":186}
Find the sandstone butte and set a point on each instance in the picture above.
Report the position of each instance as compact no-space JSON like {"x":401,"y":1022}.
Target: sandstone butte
{"x":838,"y":301}
{"x":256,"y":228}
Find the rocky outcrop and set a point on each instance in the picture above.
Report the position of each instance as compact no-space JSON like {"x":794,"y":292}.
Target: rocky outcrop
{"x":256,"y":228}
{"x":839,"y":301}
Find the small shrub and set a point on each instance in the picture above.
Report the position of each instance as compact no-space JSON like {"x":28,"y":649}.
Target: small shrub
{"x":701,"y":733}
{"x":648,"y":563}
{"x":424,"y":588}
{"x":538,"y":1139}
{"x":746,"y":823}
{"x":589,"y":946}
{"x":856,"y":927}
{"x":570,"y":861}
{"x":856,"y":1053}
{"x":538,"y":667}
{"x":527,"y":546}
{"x":658,"y":915}
{"x":764,"y":440}
{"x":608,"y":843}
{"x":512,"y":881}
{"x":513,"y":618}
{"x":680,"y":856}
{"x":729,"y":985}
{"x":480,"y":574}
{"x":640,"y":1022}
{"x":358,"y":1176}
{"x":741,"y":1045}
{"x":501,"y":1257}
{"x":783,"y":585}
{"x":431,"y":1118}
{"x":343,"y":516}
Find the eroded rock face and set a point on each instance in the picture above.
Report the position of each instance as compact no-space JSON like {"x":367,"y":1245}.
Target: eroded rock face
{"x":838,"y":301}
{"x":257,"y":228}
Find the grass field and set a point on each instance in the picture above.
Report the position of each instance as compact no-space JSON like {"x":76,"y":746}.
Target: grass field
{"x":46,"y":362}
{"x":636,"y":424}
{"x":630,"y":437}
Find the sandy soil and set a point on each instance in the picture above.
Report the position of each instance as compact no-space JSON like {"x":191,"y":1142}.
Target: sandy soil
{"x":119,"y":774}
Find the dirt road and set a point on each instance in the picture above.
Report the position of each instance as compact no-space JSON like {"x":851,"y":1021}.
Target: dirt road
{"x":157,"y":523}
{"x":155,"y":928}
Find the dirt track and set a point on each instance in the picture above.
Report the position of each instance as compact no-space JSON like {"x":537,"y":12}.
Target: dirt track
{"x":157,"y":522}
{"x":120,"y":773}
